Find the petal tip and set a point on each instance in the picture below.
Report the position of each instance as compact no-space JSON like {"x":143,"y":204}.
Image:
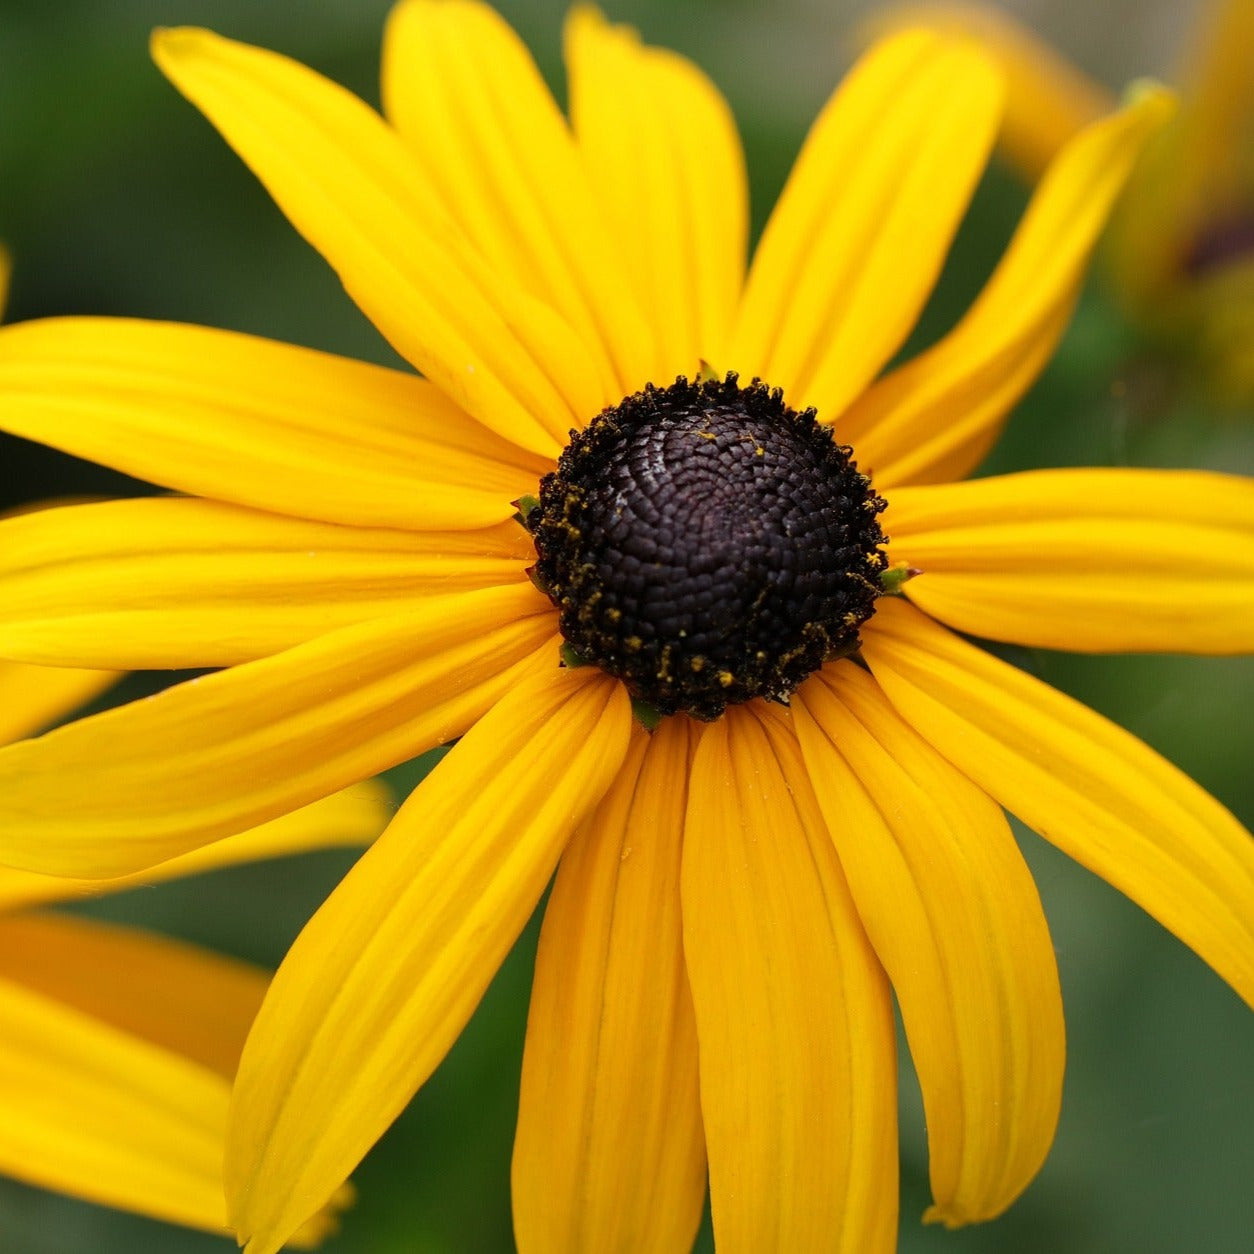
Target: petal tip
{"x":938,"y":1214}
{"x":167,"y":45}
{"x":1151,"y":98}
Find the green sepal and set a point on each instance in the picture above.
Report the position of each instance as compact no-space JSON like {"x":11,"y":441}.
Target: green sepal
{"x":524,"y":505}
{"x":892,"y":579}
{"x":648,"y":716}
{"x":570,"y":659}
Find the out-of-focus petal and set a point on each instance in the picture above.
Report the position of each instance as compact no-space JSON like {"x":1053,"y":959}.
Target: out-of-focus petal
{"x":353,"y":816}
{"x":1048,"y":100}
{"x":92,"y":1111}
{"x":188,"y":1000}
{"x":385,"y":975}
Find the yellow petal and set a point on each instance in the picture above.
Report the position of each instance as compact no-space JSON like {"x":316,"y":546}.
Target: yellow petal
{"x":609,"y":1154}
{"x":99,"y":1113}
{"x":934,"y":418}
{"x":385,"y":975}
{"x":1197,"y":177}
{"x":661,"y":148}
{"x":1089,"y":560}
{"x":1097,"y":792}
{"x":950,"y":906}
{"x":1047,"y":98}
{"x":862,"y":228}
{"x":464,"y":94}
{"x":226,"y":751}
{"x":353,"y":816}
{"x":6,"y":269}
{"x":349,"y":185}
{"x":257,"y":423}
{"x":797,"y":1055}
{"x":31,"y":697}
{"x":1213,"y":147}
{"x":186,"y":583}
{"x":188,"y":1000}
{"x":92,"y":1111}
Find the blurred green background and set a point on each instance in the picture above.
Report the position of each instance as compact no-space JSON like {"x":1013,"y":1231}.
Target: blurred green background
{"x":117,"y":198}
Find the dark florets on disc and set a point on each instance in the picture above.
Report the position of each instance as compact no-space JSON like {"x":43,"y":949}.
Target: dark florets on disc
{"x":706,"y":544}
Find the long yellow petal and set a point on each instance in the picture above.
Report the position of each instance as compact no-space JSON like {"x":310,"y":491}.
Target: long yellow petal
{"x":385,"y":975}
{"x":221,"y":753}
{"x":858,"y":238}
{"x":661,"y":148}
{"x":353,"y":816}
{"x":950,"y":906}
{"x":934,"y":418}
{"x":1097,"y":792}
{"x":609,"y":1153}
{"x":31,"y":697}
{"x":257,"y":423}
{"x":797,"y":1055}
{"x":187,"y":583}
{"x":1048,"y":100}
{"x":349,"y":185}
{"x":1212,"y":148}
{"x":463,"y":92}
{"x":188,"y":1000}
{"x":1167,"y":253}
{"x":1116,"y":560}
{"x":6,"y":269}
{"x":94,"y":1112}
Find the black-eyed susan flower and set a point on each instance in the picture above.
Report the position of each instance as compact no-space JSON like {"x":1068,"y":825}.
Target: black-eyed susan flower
{"x":118,"y":1046}
{"x":1181,"y":247}
{"x":627,"y":538}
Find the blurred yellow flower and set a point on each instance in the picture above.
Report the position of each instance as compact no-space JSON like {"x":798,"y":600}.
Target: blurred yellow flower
{"x":117,"y":1046}
{"x":1181,"y":245}
{"x":800,"y":831}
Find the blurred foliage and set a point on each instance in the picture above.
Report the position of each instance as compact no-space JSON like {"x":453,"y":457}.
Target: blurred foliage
{"x":117,"y":198}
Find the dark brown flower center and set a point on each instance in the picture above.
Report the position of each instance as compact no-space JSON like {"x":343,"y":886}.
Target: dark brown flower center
{"x":706,"y":544}
{"x":1226,"y":240}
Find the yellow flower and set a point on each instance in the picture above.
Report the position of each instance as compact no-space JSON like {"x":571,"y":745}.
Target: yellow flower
{"x":1181,"y":247}
{"x":357,"y":553}
{"x":117,"y":1046}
